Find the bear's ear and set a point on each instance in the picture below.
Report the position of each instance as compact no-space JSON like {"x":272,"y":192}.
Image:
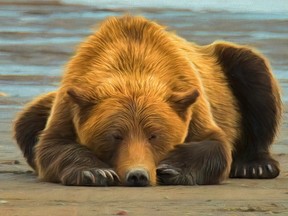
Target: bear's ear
{"x":180,"y":101}
{"x":81,"y":97}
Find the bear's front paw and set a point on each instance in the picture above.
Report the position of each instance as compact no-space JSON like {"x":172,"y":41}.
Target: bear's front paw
{"x":91,"y":177}
{"x":170,"y":175}
{"x":193,"y":163}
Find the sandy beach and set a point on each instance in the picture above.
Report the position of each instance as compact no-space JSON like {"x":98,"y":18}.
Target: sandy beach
{"x":36,"y":40}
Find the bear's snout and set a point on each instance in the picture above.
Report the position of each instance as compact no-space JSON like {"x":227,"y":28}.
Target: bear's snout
{"x":137,"y":177}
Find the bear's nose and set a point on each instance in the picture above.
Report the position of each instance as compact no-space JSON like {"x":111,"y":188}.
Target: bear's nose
{"x":137,"y":177}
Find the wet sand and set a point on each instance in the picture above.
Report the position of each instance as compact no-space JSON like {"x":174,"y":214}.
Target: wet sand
{"x":38,"y":37}
{"x":21,"y":194}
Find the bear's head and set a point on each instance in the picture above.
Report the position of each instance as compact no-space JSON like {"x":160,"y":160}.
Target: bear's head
{"x":131,"y":130}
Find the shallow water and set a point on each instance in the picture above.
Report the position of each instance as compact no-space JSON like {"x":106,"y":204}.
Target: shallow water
{"x":37,"y":39}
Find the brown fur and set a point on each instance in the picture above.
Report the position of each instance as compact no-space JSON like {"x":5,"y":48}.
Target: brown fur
{"x":249,"y":75}
{"x":141,"y":93}
{"x":30,"y":122}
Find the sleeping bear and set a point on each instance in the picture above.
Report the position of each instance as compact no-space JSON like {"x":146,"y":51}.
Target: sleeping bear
{"x":140,"y":106}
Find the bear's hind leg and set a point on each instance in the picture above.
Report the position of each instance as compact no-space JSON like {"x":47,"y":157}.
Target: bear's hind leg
{"x":29,"y":124}
{"x":259,"y":102}
{"x":259,"y":167}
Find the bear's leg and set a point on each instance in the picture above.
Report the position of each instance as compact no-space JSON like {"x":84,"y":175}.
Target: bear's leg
{"x":194,"y":163}
{"x":59,"y":158}
{"x":67,"y":162}
{"x":29,"y":124}
{"x":206,"y":161}
{"x":259,"y":102}
{"x":248,"y":166}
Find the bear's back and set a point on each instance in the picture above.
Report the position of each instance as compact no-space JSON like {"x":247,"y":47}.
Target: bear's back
{"x":131,"y":49}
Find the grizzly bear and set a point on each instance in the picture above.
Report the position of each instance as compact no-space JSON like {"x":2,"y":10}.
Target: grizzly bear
{"x":140,"y":106}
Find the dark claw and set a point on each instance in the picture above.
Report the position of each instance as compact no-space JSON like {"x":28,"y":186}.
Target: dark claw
{"x":168,"y":175}
{"x":92,"y":177}
{"x":258,"y":169}
{"x":165,"y":169}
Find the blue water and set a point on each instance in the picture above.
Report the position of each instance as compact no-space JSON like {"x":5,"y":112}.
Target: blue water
{"x":38,"y":40}
{"x":273,"y":6}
